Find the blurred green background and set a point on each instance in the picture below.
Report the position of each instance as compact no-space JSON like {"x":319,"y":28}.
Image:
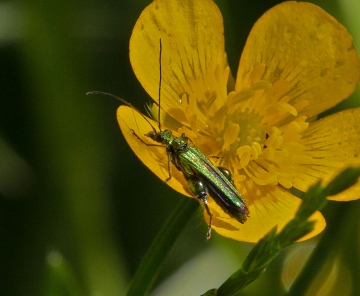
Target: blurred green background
{"x":77,"y":209}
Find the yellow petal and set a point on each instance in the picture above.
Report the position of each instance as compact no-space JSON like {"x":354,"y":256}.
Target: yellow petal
{"x":272,"y":206}
{"x":300,"y":43}
{"x":334,"y":143}
{"x":154,"y":157}
{"x":191,"y":33}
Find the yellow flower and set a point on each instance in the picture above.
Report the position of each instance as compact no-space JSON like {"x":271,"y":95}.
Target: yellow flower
{"x":298,"y":61}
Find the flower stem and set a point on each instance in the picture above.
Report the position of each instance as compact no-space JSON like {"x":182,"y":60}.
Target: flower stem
{"x":327,"y":246}
{"x":151,"y":264}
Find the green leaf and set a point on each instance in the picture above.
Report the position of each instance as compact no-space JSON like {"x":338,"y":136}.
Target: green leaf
{"x":343,"y":181}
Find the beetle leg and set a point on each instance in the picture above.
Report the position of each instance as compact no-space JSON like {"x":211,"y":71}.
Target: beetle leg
{"x":142,"y":141}
{"x":199,"y":189}
{"x":169,"y":166}
{"x":226,"y":173}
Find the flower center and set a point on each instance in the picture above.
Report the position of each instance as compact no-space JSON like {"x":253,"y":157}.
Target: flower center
{"x":255,"y":131}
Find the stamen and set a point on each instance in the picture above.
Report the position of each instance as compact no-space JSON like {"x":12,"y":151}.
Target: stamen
{"x":230,"y":135}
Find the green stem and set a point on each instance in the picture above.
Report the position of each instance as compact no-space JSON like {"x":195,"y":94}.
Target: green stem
{"x":147,"y":272}
{"x":327,"y":246}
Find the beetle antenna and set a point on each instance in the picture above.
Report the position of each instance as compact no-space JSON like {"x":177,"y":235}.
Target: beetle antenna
{"x":95,"y":92}
{"x":160,"y":80}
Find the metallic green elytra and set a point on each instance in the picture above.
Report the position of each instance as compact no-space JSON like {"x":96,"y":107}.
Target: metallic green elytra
{"x":203,"y":177}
